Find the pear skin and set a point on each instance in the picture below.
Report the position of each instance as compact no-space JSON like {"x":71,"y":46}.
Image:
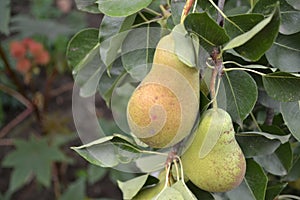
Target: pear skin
{"x":163,"y":108}
{"x":222,"y":168}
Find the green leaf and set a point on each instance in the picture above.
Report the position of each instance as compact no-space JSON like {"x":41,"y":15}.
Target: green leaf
{"x":254,"y":185}
{"x":184,"y":190}
{"x":185,"y":49}
{"x":277,"y":163}
{"x":138,"y":50}
{"x":27,"y":27}
{"x":294,"y":172}
{"x":209,"y":32}
{"x":112,"y":33}
{"x":244,"y":21}
{"x":294,"y":3}
{"x":200,"y":194}
{"x":131,"y":187}
{"x":4,"y":16}
{"x":282,"y":86}
{"x":254,"y":43}
{"x":75,"y":191}
{"x":87,"y":6}
{"x":291,"y":115}
{"x":288,"y":21}
{"x":274,"y":190}
{"x":285,"y":53}
{"x":33,"y":157}
{"x":259,"y":143}
{"x":240,"y":95}
{"x":176,"y":10}
{"x":80,"y":45}
{"x":121,"y":8}
{"x":95,"y":173}
{"x":169,"y":193}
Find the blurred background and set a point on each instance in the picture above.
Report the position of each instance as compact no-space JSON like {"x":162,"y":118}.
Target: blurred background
{"x":36,"y":125}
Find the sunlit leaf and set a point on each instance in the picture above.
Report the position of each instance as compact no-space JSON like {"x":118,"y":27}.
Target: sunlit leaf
{"x":291,"y":115}
{"x":282,"y":86}
{"x":121,"y":8}
{"x":184,"y":190}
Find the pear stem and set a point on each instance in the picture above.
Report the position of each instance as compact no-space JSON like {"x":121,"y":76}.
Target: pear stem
{"x":186,"y":9}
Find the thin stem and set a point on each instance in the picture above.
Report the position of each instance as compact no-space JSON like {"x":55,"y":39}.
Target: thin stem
{"x":223,"y":15}
{"x":220,"y":19}
{"x":143,"y":17}
{"x":216,"y":73}
{"x":195,"y":6}
{"x":146,"y":22}
{"x":244,"y":69}
{"x":152,"y":12}
{"x":288,"y":196}
{"x":255,"y":122}
{"x":186,"y":9}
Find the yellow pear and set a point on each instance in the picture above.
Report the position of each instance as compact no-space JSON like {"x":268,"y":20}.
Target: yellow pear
{"x":214,"y":161}
{"x":163,"y":108}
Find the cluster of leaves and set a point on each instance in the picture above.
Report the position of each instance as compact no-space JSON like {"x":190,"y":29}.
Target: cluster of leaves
{"x":259,"y":43}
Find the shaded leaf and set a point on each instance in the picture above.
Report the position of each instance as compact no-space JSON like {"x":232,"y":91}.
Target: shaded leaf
{"x":95,"y":173}
{"x":176,"y":10}
{"x":200,"y":194}
{"x":258,"y":143}
{"x":28,"y":27}
{"x":112,"y":33}
{"x":291,"y":115}
{"x":254,"y":43}
{"x":294,"y":3}
{"x":240,"y":95}
{"x":138,"y":50}
{"x":285,"y":53}
{"x":288,"y":21}
{"x":75,"y":191}
{"x":4,"y":16}
{"x":87,"y":6}
{"x":282,"y":86}
{"x":244,"y":21}
{"x":80,"y":45}
{"x":121,"y":8}
{"x":209,"y":32}
{"x":33,"y":157}
{"x":294,"y":172}
{"x":277,"y":163}
{"x":254,"y":185}
{"x":274,"y":190}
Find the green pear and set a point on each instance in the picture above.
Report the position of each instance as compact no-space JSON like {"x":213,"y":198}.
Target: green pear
{"x":163,"y":108}
{"x":214,"y":161}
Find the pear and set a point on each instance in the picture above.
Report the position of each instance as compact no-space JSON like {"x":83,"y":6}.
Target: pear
{"x":214,"y":161}
{"x":163,"y":108}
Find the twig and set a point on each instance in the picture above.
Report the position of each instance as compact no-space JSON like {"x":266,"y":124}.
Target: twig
{"x":11,"y":72}
{"x":6,"y":142}
{"x":13,"y":123}
{"x":186,"y":9}
{"x":62,"y":89}
{"x":220,"y":19}
{"x":217,"y":72}
{"x":270,"y":116}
